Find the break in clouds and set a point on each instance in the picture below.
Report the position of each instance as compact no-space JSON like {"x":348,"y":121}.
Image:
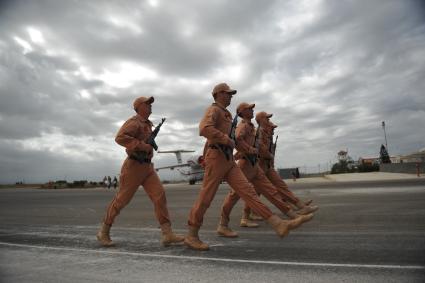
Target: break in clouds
{"x":330,"y":71}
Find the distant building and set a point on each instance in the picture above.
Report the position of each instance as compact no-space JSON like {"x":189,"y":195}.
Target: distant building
{"x":416,"y":157}
{"x":413,"y":163}
{"x":368,"y":160}
{"x":395,"y":159}
{"x":343,"y":156}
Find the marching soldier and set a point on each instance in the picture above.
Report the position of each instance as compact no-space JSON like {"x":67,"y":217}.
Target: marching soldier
{"x":137,"y":171}
{"x":219,"y":164}
{"x":267,"y":164}
{"x":246,"y":155}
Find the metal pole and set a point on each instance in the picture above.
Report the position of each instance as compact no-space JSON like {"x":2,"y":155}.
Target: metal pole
{"x":385,"y":135}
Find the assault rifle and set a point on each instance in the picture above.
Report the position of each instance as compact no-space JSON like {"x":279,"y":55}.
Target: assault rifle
{"x":272,"y":149}
{"x":253,"y":157}
{"x":141,"y":156}
{"x":227,"y":150}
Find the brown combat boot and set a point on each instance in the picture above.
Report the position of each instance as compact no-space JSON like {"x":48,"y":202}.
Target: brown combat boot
{"x":192,"y":240}
{"x":168,"y":237}
{"x":298,"y":219}
{"x":245,"y":222}
{"x":256,"y":217}
{"x":307,"y":209}
{"x":280,"y":226}
{"x":307,"y":217}
{"x":248,"y":224}
{"x":103,"y":236}
{"x":223,"y":229}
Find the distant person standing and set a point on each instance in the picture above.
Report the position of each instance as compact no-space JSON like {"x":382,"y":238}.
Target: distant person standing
{"x":115,"y":182}
{"x":137,"y":170}
{"x":109,"y":182}
{"x":104,"y":182}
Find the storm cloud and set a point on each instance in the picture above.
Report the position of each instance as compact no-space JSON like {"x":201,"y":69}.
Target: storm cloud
{"x":329,"y":71}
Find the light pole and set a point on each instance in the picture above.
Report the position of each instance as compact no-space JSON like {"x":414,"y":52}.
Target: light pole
{"x":385,"y":135}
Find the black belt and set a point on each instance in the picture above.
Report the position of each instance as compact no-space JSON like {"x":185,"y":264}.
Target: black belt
{"x":213,"y":146}
{"x":141,"y":160}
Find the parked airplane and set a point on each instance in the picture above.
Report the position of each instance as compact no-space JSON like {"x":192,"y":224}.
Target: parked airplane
{"x":195,"y":171}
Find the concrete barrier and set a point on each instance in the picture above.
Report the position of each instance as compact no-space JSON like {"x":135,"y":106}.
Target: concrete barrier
{"x":402,"y":167}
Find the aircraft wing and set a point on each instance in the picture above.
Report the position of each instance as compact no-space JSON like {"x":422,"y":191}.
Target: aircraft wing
{"x":173,"y":166}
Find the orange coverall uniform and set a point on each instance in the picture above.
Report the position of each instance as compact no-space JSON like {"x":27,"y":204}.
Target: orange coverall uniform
{"x":133,"y":135}
{"x":245,"y":136}
{"x":267,"y":164}
{"x":215,"y":126}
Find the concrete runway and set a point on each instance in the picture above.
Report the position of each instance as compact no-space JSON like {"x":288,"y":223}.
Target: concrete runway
{"x":363,"y":232}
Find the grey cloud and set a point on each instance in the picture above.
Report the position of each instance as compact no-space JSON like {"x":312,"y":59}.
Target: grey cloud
{"x":52,"y":62}
{"x":378,"y":45}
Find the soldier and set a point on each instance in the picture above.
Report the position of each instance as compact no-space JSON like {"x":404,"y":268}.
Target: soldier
{"x":247,"y":160}
{"x":215,"y":126}
{"x":133,"y":136}
{"x":267,"y":164}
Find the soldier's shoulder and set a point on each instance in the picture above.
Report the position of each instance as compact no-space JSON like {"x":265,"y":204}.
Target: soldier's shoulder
{"x":133,"y":120}
{"x":213,"y":109}
{"x":218,"y":109}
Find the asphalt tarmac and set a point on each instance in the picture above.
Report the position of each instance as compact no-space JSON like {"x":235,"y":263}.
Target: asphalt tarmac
{"x":363,"y":232}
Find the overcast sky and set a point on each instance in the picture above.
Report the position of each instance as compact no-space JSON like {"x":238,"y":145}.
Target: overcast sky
{"x":329,"y":71}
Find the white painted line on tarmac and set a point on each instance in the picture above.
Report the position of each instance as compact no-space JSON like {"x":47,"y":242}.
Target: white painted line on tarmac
{"x":288,"y":263}
{"x":243,"y":231}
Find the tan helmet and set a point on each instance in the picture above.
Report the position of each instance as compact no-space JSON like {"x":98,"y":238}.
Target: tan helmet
{"x":243,"y":106}
{"x":142,"y":99}
{"x":261,"y":115}
{"x":223,"y":87}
